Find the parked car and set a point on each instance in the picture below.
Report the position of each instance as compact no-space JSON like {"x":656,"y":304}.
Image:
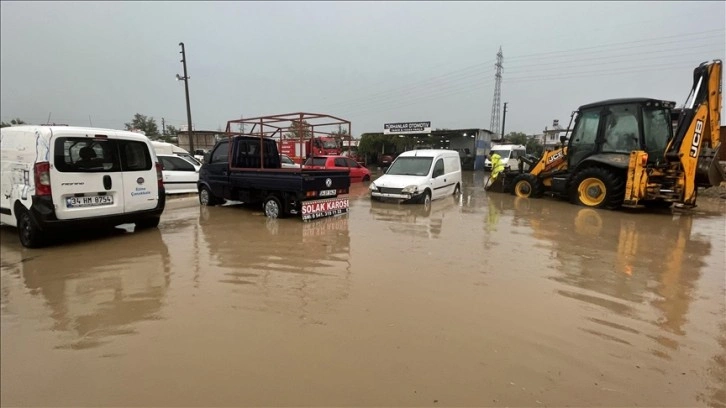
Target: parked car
{"x":168,"y":148}
{"x":386,"y":160}
{"x":238,"y":173}
{"x":180,"y":174}
{"x":420,"y":176}
{"x":287,"y":162}
{"x":358,"y":173}
{"x":67,"y":177}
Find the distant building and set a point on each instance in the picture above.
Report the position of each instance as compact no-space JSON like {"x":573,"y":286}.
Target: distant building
{"x":203,"y":139}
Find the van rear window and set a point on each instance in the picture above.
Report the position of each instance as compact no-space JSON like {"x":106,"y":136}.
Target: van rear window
{"x":85,"y":155}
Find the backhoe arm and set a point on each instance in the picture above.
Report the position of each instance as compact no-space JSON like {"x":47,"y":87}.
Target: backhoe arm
{"x":697,"y":138}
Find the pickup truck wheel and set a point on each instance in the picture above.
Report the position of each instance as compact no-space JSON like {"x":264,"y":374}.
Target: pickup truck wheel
{"x":29,"y":234}
{"x":272,"y":207}
{"x":207,"y":198}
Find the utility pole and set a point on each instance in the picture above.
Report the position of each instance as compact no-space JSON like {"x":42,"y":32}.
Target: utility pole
{"x":186,"y":90}
{"x":504,"y":118}
{"x":163,"y":127}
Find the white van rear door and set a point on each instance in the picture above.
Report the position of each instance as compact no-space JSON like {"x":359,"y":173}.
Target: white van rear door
{"x":86,"y":177}
{"x":141,"y":188}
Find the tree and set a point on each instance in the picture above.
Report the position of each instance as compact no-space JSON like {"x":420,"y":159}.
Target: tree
{"x":374,"y":144}
{"x":518,"y":138}
{"x":16,"y":121}
{"x":170,"y":134}
{"x":171,"y":131}
{"x":145,"y":124}
{"x":533,"y":145}
{"x":294,"y":131}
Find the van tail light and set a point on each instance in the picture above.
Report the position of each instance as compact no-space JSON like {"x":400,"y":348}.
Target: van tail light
{"x":159,"y":176}
{"x":42,"y":178}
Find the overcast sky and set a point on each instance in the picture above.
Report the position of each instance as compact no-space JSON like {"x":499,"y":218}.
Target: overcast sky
{"x":371,"y":63}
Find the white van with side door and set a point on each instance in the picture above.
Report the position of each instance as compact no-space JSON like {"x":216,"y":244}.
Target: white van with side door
{"x":55,"y":178}
{"x":420,"y":176}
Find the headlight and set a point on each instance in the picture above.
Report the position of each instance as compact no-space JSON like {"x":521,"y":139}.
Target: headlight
{"x":409,"y":189}
{"x":373,"y":187}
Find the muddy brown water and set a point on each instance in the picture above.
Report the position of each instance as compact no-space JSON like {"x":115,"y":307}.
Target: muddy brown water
{"x":484,"y":300}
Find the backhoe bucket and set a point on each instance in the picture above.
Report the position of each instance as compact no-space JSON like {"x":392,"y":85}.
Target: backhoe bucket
{"x":497,"y":185}
{"x":710,"y":172}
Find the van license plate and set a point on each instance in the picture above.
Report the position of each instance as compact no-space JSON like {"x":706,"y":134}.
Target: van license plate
{"x":327,"y":193}
{"x":89,"y":201}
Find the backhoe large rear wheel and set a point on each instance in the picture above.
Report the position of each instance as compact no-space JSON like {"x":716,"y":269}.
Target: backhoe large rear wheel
{"x":527,"y":185}
{"x":598,"y":187}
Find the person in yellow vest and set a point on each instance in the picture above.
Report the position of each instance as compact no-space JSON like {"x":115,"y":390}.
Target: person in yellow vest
{"x":497,"y":167}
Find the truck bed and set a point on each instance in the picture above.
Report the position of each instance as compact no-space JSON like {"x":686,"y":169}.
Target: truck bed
{"x":288,"y":180}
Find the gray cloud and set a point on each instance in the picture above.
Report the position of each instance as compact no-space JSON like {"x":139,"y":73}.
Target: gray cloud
{"x":369,"y":62}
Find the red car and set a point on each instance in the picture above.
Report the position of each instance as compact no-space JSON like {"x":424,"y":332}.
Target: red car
{"x":357,"y":172}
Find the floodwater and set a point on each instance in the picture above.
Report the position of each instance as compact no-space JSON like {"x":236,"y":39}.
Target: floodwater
{"x":485,"y":300}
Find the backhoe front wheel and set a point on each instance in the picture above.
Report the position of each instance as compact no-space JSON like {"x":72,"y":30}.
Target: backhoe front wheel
{"x":527,"y":185}
{"x":598,"y":187}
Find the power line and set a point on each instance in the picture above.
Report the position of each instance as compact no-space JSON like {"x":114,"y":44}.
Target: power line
{"x":408,"y":92}
{"x":458,"y":73}
{"x":612,"y":58}
{"x":364,"y":102}
{"x":459,"y":90}
{"x":590,"y":48}
{"x":609,"y":71}
{"x":413,"y":101}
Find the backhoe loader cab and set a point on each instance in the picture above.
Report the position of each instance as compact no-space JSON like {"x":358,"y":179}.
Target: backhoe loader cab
{"x":607,"y":132}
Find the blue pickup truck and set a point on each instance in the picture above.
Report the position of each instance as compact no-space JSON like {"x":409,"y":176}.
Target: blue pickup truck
{"x":248,"y":169}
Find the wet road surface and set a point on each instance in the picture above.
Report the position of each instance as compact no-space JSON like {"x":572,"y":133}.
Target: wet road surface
{"x":484,"y":300}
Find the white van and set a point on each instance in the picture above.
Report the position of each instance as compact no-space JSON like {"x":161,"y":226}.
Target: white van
{"x":420,"y":176}
{"x":510,"y":156}
{"x":168,"y":148}
{"x":56,"y":177}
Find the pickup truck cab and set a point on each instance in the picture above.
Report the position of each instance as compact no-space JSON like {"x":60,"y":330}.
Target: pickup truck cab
{"x":358,"y":172}
{"x":248,"y":169}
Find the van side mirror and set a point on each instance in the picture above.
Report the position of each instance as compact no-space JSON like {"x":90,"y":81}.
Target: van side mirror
{"x":207,"y":157}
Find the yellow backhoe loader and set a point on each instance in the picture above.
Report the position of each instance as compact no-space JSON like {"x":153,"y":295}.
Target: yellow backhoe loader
{"x":625,"y":152}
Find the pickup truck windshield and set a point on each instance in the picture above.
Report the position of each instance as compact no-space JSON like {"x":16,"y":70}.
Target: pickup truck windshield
{"x":411,"y":166}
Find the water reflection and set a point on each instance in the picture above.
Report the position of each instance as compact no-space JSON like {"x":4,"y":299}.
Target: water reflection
{"x":618,"y":261}
{"x":424,"y":221}
{"x":99,"y":289}
{"x":282,"y":265}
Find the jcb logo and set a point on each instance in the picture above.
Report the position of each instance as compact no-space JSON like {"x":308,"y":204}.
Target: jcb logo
{"x":696,"y":141}
{"x":554,"y":157}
